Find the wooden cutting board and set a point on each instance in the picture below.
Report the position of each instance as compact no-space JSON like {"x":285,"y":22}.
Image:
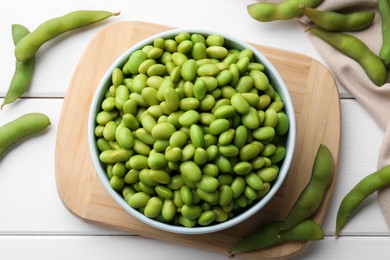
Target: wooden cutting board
{"x":317,"y":109}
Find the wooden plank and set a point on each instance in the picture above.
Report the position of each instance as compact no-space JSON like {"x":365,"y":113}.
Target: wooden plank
{"x":316,"y":104}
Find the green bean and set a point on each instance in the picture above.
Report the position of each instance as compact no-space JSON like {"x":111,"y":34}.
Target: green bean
{"x":312,"y":195}
{"x":285,"y":10}
{"x":21,"y":128}
{"x":335,"y":21}
{"x":356,"y":50}
{"x":359,"y":193}
{"x":268,"y":235}
{"x":384,"y":11}
{"x":28,"y":46}
{"x":24,"y":71}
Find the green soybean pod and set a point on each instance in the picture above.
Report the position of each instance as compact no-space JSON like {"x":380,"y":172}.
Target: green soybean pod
{"x":342,"y":22}
{"x":24,"y":71}
{"x":384,"y":11}
{"x":268,"y":235}
{"x":312,"y":195}
{"x":52,"y":28}
{"x":21,"y":128}
{"x":285,"y":10}
{"x":373,"y":66}
{"x":365,"y":187}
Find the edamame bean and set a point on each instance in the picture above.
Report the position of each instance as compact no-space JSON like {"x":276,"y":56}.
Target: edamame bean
{"x":240,"y":103}
{"x":168,"y":210}
{"x":52,"y":28}
{"x":196,"y":136}
{"x":163,"y":131}
{"x":138,"y":200}
{"x":206,"y":218}
{"x":191,"y":171}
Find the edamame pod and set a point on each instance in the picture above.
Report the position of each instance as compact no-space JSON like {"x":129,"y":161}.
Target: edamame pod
{"x":384,"y":11}
{"x":335,"y":21}
{"x":356,"y":50}
{"x":21,"y":128}
{"x":52,"y":28}
{"x":285,"y":10}
{"x":312,"y":195}
{"x":268,"y":235}
{"x":24,"y":71}
{"x":360,"y":192}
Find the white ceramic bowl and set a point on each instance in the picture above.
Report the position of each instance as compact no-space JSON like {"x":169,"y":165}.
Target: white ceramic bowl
{"x":277,"y":83}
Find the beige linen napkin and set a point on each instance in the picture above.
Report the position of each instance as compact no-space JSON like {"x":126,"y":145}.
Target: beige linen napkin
{"x":376,"y":100}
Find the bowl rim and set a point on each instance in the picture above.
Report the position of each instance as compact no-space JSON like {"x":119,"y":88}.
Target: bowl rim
{"x":280,"y":88}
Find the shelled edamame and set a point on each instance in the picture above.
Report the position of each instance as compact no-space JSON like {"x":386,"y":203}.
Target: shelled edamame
{"x":191,"y":132}
{"x":364,"y":188}
{"x":23,"y":70}
{"x":19,"y":129}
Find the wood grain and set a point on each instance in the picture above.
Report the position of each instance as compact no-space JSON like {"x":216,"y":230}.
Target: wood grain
{"x":317,"y":109}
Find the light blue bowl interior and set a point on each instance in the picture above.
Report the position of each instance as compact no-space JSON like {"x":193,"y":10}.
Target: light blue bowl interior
{"x":276,"y":82}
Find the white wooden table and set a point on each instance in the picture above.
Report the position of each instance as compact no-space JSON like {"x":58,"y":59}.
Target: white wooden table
{"x":34,"y":224}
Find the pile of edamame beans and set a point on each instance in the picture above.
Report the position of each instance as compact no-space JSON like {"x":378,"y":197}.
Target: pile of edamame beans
{"x":190,"y":131}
